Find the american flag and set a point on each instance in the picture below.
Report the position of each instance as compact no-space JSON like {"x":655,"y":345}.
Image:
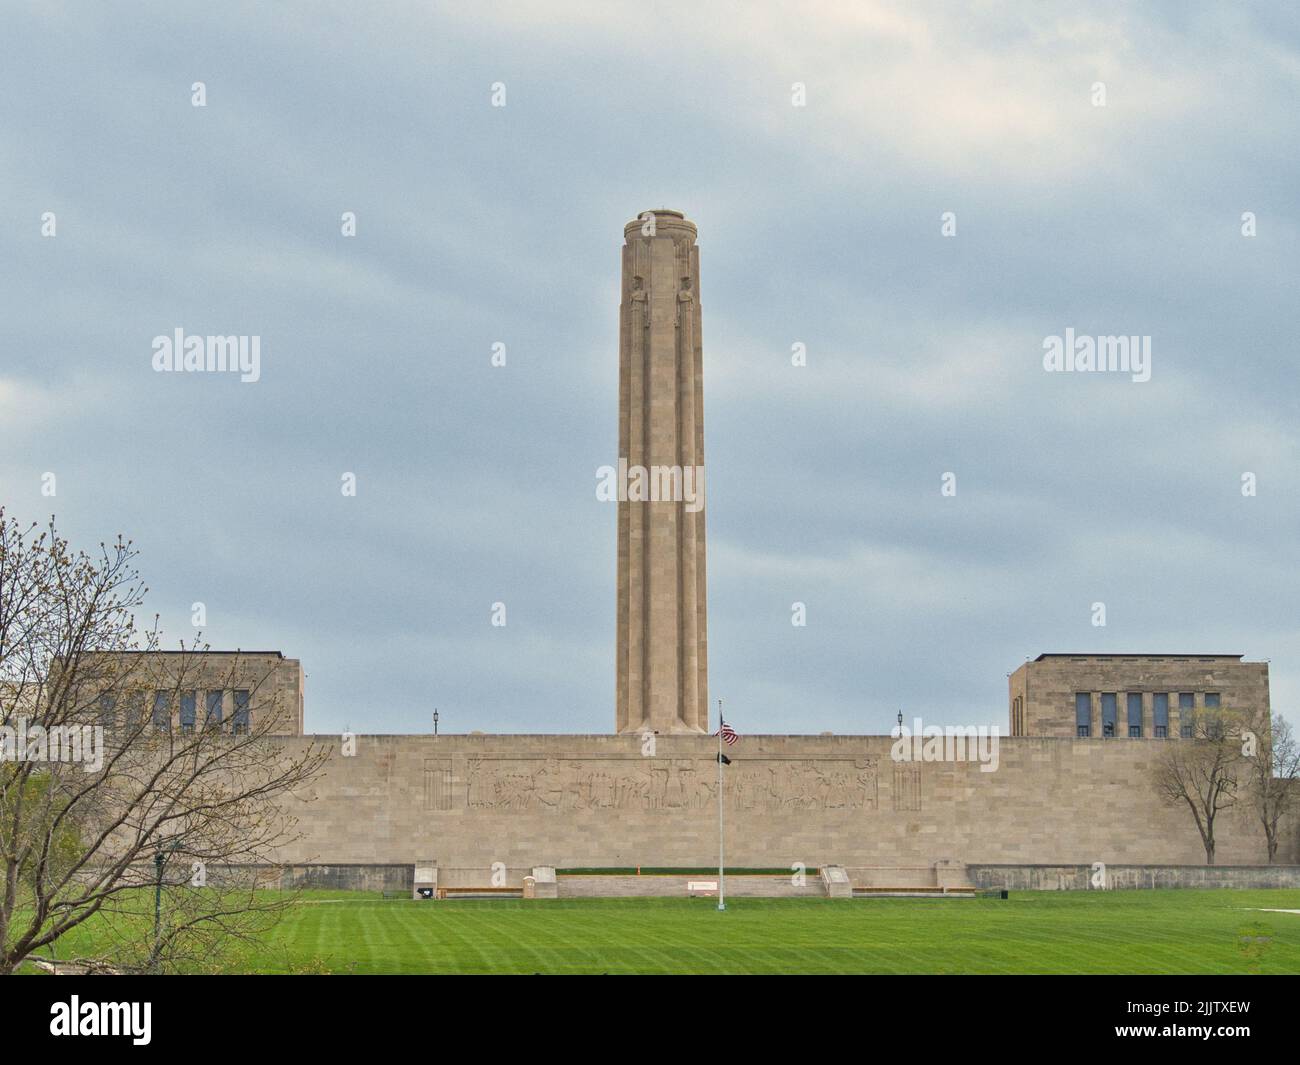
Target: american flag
{"x":729,"y":735}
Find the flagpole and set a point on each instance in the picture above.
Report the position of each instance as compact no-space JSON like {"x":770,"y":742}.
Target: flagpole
{"x":722,"y":886}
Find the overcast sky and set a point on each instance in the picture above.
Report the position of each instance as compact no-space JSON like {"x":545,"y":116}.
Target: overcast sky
{"x":818,"y":224}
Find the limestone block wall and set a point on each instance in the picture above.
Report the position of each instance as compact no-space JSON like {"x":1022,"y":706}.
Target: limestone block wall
{"x":466,"y":802}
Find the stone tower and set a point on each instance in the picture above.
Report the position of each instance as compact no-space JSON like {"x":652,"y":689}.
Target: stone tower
{"x":662,"y":645}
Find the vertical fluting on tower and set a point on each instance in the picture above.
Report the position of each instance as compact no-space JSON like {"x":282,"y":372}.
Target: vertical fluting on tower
{"x":662,"y":672}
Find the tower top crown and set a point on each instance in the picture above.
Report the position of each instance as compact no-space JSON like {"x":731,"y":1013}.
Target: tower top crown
{"x":668,"y":223}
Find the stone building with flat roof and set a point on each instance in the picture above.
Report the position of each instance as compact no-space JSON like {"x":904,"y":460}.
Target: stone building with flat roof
{"x":1132,"y":696}
{"x":190,"y":689}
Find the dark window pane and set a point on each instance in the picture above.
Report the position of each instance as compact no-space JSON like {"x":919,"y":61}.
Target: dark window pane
{"x":1134,"y":714}
{"x":189,"y":701}
{"x":1108,"y":713}
{"x":213,"y":709}
{"x":241,"y":718}
{"x":162,"y":710}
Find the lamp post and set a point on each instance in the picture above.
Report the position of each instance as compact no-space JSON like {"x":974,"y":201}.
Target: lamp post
{"x":435,"y":721}
{"x":159,"y":860}
{"x":722,"y":874}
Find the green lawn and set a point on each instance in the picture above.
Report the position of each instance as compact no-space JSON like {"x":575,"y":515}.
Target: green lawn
{"x":1045,"y":932}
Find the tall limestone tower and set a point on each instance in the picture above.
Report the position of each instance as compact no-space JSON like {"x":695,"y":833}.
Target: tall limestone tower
{"x":662,"y":645}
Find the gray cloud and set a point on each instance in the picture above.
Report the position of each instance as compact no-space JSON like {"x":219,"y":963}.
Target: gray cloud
{"x":817,"y":224}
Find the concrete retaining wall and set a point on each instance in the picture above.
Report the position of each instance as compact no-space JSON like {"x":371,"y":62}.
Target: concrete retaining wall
{"x":344,"y":877}
{"x":392,"y":877}
{"x":674,"y":886}
{"x":481,"y":876}
{"x":884,"y":876}
{"x":348,"y":876}
{"x":1120,"y":877}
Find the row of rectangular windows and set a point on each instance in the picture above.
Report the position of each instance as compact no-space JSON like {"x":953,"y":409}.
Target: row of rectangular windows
{"x":240,"y":720}
{"x":1133,"y":708}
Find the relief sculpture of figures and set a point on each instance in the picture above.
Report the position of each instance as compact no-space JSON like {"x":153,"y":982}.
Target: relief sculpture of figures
{"x":769,"y":785}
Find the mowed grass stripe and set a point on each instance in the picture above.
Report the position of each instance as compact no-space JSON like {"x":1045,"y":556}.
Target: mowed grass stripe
{"x":676,"y":935}
{"x":1158,"y":932}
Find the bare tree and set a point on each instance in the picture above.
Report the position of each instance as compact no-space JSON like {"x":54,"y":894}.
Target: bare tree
{"x":128,"y":841}
{"x":1274,"y":778}
{"x":1203,"y":771}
